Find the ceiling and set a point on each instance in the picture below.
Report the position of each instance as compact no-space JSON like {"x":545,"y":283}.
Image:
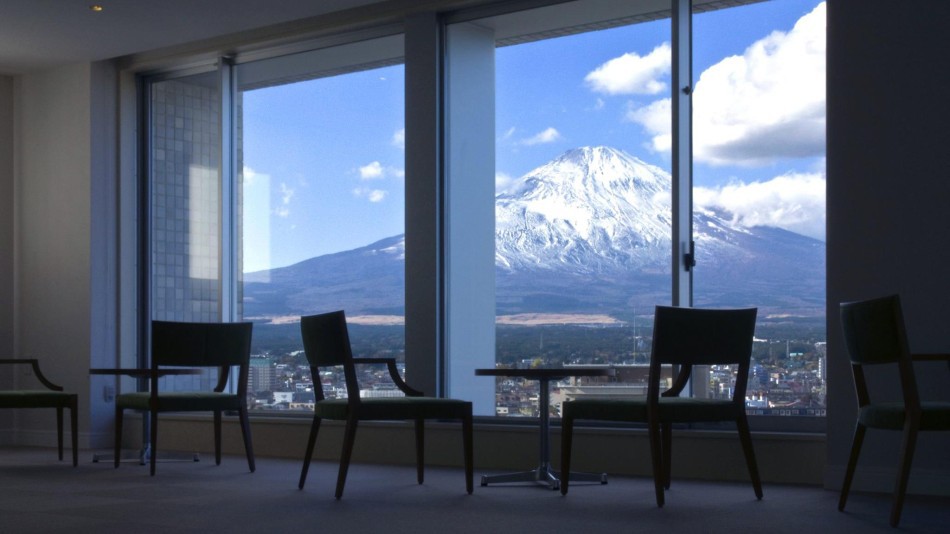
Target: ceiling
{"x":40,"y":34}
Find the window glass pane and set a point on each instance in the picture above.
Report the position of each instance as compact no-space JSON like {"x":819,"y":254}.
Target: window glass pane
{"x":759,"y":193}
{"x":321,"y":203}
{"x":583,"y":209}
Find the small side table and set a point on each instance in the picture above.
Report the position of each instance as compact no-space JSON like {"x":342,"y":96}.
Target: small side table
{"x":544,"y":473}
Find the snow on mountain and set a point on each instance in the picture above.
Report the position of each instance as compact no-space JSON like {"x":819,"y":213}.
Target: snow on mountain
{"x":591,"y":209}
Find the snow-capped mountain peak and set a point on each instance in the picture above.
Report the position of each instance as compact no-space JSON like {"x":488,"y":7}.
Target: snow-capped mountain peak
{"x":591,"y":207}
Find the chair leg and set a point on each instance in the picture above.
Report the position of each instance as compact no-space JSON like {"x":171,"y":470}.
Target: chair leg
{"x":118,"y":434}
{"x":657,"y":460}
{"x":217,"y":437}
{"x":73,"y":425}
{"x":745,"y":437}
{"x":348,"y":438}
{"x":567,"y":438}
{"x":666,"y":439}
{"x":907,"y":458}
{"x":467,"y":447}
{"x":59,"y":431}
{"x":153,"y":441}
{"x":856,"y":441}
{"x":420,"y":449}
{"x":246,"y":434}
{"x":314,"y":429}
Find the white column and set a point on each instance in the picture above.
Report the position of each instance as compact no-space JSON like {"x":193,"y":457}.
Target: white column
{"x":470,"y":213}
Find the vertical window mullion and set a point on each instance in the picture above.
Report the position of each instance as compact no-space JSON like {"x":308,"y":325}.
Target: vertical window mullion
{"x":682,"y":153}
{"x":227,"y":180}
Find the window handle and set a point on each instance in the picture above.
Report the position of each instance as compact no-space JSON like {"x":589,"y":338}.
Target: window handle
{"x":689,"y":259}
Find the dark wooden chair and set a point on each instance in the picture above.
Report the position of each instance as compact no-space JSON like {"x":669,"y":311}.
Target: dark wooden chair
{"x":180,"y":344}
{"x":682,"y":337}
{"x":875,"y":335}
{"x":51,"y":397}
{"x":326,"y":342}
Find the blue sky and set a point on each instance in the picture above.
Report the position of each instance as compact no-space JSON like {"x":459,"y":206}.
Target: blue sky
{"x":324,"y":158}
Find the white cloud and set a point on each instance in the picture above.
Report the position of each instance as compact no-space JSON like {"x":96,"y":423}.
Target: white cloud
{"x":372,"y":195}
{"x":508,"y":134}
{"x":547,"y":136}
{"x":768,"y":103}
{"x":286,"y":195}
{"x":632,"y":73}
{"x":399,"y":138}
{"x":752,"y":109}
{"x":371,"y":171}
{"x":376,"y":171}
{"x":656,"y":119}
{"x":502,"y":181}
{"x":795,"y":202}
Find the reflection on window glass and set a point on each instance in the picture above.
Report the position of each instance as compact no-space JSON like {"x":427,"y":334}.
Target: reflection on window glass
{"x":185,"y":198}
{"x":321,"y":203}
{"x":185,"y":206}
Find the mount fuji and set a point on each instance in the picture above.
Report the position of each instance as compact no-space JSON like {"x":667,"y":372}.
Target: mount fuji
{"x":588,"y":232}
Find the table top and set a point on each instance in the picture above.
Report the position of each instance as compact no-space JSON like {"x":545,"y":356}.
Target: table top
{"x":547,"y":372}
{"x":145,"y":372}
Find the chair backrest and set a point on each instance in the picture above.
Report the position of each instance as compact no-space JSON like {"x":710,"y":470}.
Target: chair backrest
{"x":874,"y":333}
{"x":699,"y":336}
{"x":874,"y":330}
{"x":702,"y":336}
{"x":221,"y":345}
{"x":326,"y":342}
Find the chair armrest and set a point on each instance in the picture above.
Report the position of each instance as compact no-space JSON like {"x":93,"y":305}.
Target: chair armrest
{"x":145,"y":372}
{"x":393,"y":373}
{"x":681,"y":380}
{"x":36,"y":371}
{"x":936,"y":357}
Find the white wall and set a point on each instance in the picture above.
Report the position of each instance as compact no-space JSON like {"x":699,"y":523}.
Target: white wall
{"x":6,"y":216}
{"x":52,"y":192}
{"x":888,"y":219}
{"x":6,"y":244}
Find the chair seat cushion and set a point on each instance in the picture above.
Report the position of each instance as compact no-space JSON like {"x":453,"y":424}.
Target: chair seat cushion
{"x":935,"y":415}
{"x":185,"y":401}
{"x":396,"y":408}
{"x":671,"y":409}
{"x":40,"y":398}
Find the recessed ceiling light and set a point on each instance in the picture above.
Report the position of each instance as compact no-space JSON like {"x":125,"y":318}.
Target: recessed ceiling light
{"x":96,"y":7}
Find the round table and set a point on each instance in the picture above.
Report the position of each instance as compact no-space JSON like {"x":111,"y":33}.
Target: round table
{"x":543,"y":473}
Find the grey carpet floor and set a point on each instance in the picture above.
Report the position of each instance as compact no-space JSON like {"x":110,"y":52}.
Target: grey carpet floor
{"x":40,"y":494}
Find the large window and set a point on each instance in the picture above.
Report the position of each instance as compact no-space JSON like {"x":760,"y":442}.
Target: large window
{"x":759,"y":193}
{"x":545,"y":188}
{"x":308,"y":218}
{"x":584,"y":177}
{"x":582,"y":210}
{"x":321,"y":162}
